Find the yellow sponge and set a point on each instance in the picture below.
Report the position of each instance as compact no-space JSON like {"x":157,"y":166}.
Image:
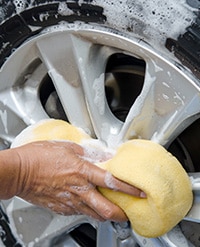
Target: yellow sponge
{"x":151,"y":168}
{"x":50,"y":129}
{"x":142,"y":163}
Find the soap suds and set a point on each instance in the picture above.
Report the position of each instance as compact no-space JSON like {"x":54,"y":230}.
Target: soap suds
{"x":154,"y":20}
{"x":95,"y":151}
{"x":65,"y":194}
{"x":169,"y":17}
{"x":109,"y":181}
{"x":99,"y":100}
{"x":20,"y":5}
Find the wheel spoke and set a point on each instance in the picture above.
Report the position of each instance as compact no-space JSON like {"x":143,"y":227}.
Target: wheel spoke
{"x":147,"y":242}
{"x":194,"y":213}
{"x":44,"y":225}
{"x":61,"y":64}
{"x":166,"y":105}
{"x":115,"y":234}
{"x":20,"y":99}
{"x":92,"y":60}
{"x":174,"y":238}
{"x":105,"y":231}
{"x":11,"y":120}
{"x":28,"y":92}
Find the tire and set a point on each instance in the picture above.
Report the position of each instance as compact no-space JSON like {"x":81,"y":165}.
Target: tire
{"x":131,"y":69}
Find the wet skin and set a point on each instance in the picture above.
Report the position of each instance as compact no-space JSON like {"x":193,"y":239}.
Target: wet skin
{"x":58,"y":176}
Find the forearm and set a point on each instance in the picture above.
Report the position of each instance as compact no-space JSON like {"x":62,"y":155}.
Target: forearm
{"x":10,"y":183}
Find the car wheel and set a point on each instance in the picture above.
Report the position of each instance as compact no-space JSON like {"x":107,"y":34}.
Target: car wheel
{"x":119,"y":70}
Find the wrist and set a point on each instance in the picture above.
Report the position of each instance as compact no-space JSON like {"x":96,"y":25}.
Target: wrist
{"x":28,"y":170}
{"x":10,"y":173}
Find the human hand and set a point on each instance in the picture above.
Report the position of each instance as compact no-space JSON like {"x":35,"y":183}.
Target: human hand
{"x":55,"y":175}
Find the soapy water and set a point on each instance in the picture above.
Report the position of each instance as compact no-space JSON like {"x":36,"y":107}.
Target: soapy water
{"x":65,"y":194}
{"x":153,"y":19}
{"x":170,"y":17}
{"x":81,"y":189}
{"x":64,"y":10}
{"x":109,"y":182}
{"x":20,"y":5}
{"x":96,"y":152}
{"x":99,"y":94}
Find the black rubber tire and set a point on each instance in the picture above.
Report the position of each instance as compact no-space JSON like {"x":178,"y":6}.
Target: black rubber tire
{"x":16,"y":18}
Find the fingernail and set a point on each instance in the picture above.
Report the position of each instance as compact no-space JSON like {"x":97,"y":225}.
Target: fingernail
{"x":143,"y":195}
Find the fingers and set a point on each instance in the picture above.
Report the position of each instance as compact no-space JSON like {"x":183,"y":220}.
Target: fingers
{"x":90,"y":203}
{"x":102,"y":178}
{"x":118,"y":185}
{"x":103,"y":207}
{"x":75,"y":205}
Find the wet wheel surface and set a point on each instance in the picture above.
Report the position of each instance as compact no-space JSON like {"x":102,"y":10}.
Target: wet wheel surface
{"x":131,"y":69}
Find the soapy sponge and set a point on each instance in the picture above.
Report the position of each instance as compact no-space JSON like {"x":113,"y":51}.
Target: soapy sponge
{"x":50,"y":129}
{"x":151,"y":168}
{"x":142,"y":163}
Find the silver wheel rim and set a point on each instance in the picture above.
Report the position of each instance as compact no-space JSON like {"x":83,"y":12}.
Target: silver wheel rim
{"x":75,"y":58}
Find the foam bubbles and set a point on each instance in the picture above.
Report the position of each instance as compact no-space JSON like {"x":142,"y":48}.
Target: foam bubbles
{"x":20,"y":5}
{"x":80,"y":189}
{"x":96,"y":152}
{"x":99,"y":94}
{"x":109,"y":181}
{"x":64,"y":10}
{"x":151,"y":18}
{"x":65,"y":194}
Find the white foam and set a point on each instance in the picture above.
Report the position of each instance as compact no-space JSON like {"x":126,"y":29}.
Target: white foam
{"x":95,"y":151}
{"x":153,"y":19}
{"x":109,"y":181}
{"x":80,"y":189}
{"x":65,"y":194}
{"x":156,"y":19}
{"x":99,"y":94}
{"x":150,"y":20}
{"x":64,"y":10}
{"x":20,"y":5}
